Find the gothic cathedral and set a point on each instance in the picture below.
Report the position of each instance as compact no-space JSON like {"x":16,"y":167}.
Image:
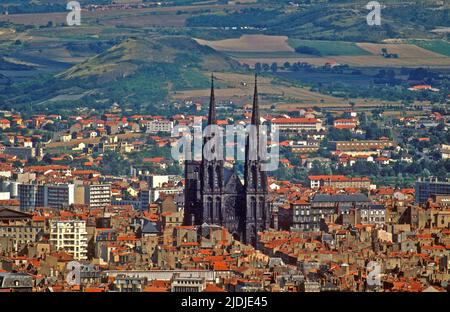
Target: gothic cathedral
{"x":214,"y":194}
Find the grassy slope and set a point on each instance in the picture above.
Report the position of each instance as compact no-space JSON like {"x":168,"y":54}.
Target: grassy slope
{"x":438,"y":46}
{"x":330,"y":48}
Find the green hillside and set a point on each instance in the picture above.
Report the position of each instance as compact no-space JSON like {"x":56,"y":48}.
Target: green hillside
{"x":334,"y":20}
{"x":136,"y":73}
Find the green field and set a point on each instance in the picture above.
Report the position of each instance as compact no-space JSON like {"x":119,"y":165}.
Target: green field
{"x":438,"y":46}
{"x":329,"y":48}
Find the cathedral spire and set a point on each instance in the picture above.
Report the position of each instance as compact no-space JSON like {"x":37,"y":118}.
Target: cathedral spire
{"x":212,"y":104}
{"x":255,"y":110}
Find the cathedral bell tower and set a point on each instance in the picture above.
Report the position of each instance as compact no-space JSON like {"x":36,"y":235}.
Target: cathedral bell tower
{"x":255,"y":180}
{"x":212,"y":167}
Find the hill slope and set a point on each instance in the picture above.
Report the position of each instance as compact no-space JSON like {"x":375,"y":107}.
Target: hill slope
{"x":137,"y":73}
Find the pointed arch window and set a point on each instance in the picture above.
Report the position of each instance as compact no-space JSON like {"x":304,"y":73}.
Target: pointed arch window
{"x":210,"y":207}
{"x":219,"y":208}
{"x":217,"y":176}
{"x":211,"y":176}
{"x":254,"y":176}
{"x":253,"y":206}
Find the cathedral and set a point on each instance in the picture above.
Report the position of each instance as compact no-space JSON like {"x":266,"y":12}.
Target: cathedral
{"x":214,"y":194}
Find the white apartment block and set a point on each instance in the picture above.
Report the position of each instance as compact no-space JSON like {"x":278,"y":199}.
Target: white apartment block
{"x":154,"y":126}
{"x":297,"y":124}
{"x":98,"y":195}
{"x":71,"y":236}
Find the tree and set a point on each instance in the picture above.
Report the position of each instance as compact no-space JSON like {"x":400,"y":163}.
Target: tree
{"x":274,"y":67}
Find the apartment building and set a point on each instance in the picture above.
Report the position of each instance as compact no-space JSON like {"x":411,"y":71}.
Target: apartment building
{"x":154,"y":126}
{"x":45,"y":195}
{"x":358,"y":147}
{"x":59,"y":195}
{"x":339,"y":181}
{"x":325,"y":207}
{"x":301,"y":214}
{"x":372,"y":214}
{"x":97,"y":195}
{"x":425,"y":189}
{"x":71,"y":236}
{"x":343,"y":123}
{"x":17,"y":229}
{"x":187,"y":284}
{"x":30,"y":196}
{"x":297,"y":124}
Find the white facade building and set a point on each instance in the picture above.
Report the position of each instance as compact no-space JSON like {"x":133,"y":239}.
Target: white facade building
{"x":154,"y":126}
{"x":70,"y":235}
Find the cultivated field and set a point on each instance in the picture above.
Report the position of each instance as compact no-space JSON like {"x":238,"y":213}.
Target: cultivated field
{"x":330,"y":48}
{"x":439,"y":46}
{"x":403,"y":50}
{"x":252,"y":49}
{"x":250,"y":43}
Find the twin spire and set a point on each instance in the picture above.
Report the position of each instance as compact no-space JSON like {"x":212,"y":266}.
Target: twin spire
{"x":212,"y":105}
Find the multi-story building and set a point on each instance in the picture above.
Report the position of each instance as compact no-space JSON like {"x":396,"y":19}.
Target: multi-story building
{"x":157,"y":185}
{"x":372,"y":214}
{"x":49,"y":195}
{"x":154,"y":126}
{"x":188,"y":284}
{"x":360,"y":147}
{"x":59,"y":195}
{"x":30,"y":196}
{"x":339,"y":181}
{"x":17,"y":228}
{"x":124,"y":283}
{"x":305,"y":147}
{"x":301,"y":215}
{"x":349,"y":124}
{"x":71,"y":236}
{"x":297,"y":124}
{"x":98,"y":195}
{"x":325,"y":206}
{"x":425,"y":189}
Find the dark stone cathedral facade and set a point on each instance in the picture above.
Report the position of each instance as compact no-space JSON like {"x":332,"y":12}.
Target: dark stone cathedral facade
{"x":214,"y":194}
